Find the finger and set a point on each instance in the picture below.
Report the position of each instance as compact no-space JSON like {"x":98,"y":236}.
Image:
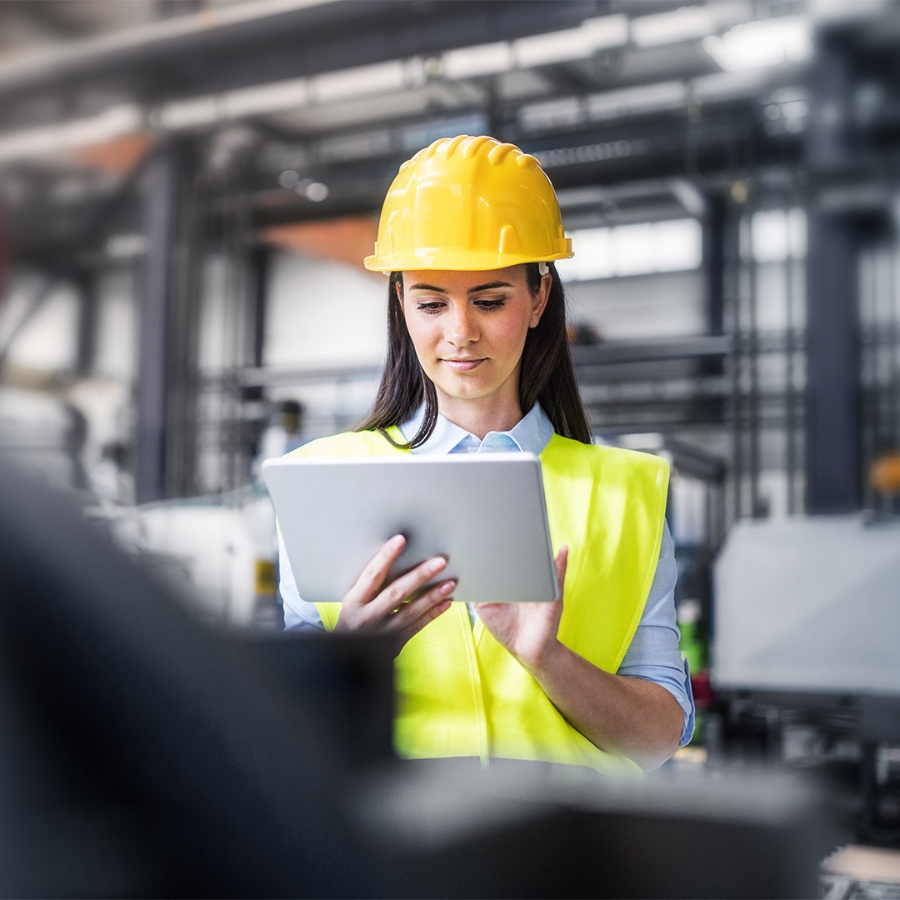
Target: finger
{"x":418,"y":619}
{"x":410,"y":612}
{"x":422,"y":621}
{"x":399,"y":591}
{"x":562,"y":563}
{"x":369,"y":583}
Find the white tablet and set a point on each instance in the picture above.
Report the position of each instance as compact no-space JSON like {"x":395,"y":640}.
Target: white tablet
{"x":485,"y":512}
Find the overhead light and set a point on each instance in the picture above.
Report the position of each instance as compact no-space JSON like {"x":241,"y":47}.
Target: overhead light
{"x":313,"y":190}
{"x":606,"y":31}
{"x":276,"y":96}
{"x":832,"y":11}
{"x":482,"y":59}
{"x":572,"y":43}
{"x":562,"y":113}
{"x":195,"y":112}
{"x":643,"y":248}
{"x":768,"y":42}
{"x":126,"y":246}
{"x":354,"y":146}
{"x":359,"y":81}
{"x":686,"y":24}
{"x":721,"y":87}
{"x":637,"y":100}
{"x":555,"y":47}
{"x":115,"y":122}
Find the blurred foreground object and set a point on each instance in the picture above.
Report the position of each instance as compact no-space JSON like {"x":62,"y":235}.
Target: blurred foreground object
{"x":146,"y":754}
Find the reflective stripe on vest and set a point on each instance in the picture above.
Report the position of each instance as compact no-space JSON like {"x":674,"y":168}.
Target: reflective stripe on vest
{"x":460,"y":693}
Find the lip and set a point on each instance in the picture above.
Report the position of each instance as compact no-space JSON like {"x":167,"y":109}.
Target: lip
{"x":463,"y":365}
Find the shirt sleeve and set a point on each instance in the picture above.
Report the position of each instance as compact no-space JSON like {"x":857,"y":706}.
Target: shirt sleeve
{"x":654,"y":654}
{"x":299,"y":615}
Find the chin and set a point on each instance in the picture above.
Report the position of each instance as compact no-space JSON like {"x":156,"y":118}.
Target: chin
{"x":467,"y":388}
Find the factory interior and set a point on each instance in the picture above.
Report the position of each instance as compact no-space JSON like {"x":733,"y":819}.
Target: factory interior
{"x":187,"y":191}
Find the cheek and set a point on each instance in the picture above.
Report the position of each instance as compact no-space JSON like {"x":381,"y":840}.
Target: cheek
{"x":510,"y":333}
{"x":421,"y":333}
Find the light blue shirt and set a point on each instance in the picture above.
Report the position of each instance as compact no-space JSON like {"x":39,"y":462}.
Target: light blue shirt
{"x":653,"y":654}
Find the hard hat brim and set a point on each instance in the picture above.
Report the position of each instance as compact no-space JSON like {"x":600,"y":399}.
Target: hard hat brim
{"x":455,"y":261}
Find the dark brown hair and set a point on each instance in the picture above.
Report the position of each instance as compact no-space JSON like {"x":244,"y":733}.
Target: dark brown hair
{"x":546,"y":374}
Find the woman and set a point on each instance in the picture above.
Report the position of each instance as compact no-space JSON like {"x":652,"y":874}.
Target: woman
{"x":478,"y":361}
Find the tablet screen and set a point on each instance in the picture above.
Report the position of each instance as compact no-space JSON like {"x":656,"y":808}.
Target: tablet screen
{"x":486,"y":513}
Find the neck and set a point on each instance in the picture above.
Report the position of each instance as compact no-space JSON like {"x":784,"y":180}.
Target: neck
{"x":483,"y":414}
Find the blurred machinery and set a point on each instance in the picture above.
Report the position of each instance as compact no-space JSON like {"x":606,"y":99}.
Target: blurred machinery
{"x":806,"y":626}
{"x":219,"y":553}
{"x":45,"y":433}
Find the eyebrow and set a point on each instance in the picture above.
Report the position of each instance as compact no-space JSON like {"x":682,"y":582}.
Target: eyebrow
{"x":474,"y":290}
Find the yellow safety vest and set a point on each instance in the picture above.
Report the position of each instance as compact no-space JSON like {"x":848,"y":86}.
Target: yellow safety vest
{"x":460,"y":692}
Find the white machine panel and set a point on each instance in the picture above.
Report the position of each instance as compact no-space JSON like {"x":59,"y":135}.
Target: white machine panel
{"x":808,"y":605}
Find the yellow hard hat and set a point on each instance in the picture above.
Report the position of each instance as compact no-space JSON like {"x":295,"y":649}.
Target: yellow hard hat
{"x":469,"y":204}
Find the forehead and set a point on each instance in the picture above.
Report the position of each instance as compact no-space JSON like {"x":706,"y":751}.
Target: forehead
{"x":455,"y":282}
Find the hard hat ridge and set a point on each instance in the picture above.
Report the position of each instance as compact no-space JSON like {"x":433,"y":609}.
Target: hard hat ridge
{"x":469,"y":203}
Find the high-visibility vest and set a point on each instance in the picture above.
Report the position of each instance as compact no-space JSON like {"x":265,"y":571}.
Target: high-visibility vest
{"x":459,"y":691}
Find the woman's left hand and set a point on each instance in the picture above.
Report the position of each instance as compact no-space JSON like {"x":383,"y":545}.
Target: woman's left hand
{"x":627,"y":716}
{"x":527,"y":630}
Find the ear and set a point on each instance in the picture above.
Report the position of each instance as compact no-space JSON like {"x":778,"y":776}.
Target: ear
{"x":539,"y":300}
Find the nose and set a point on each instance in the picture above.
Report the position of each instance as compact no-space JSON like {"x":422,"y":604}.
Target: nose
{"x":461,"y":326}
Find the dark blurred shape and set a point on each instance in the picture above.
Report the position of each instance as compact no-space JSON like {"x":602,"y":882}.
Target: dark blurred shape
{"x":140,"y":755}
{"x":346,"y":682}
{"x":583,"y":334}
{"x":288,"y":414}
{"x":146,"y":755}
{"x":879,"y":724}
{"x":520,"y":830}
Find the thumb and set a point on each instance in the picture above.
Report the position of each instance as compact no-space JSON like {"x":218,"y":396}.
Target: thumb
{"x":562,"y":561}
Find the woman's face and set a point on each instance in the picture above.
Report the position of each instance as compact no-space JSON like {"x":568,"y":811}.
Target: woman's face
{"x":469,"y":330}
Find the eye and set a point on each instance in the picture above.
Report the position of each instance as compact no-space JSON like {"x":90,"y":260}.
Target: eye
{"x":489,"y":305}
{"x":430,"y":307}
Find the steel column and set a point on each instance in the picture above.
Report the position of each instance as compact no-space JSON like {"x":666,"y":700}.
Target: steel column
{"x":166,"y":340}
{"x":833,"y":452}
{"x":833,"y":421}
{"x":714,"y":238}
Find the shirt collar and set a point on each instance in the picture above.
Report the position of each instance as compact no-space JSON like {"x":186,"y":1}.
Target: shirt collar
{"x":531,"y":434}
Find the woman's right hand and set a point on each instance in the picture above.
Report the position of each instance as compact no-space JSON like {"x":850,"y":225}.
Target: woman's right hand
{"x":370,"y":605}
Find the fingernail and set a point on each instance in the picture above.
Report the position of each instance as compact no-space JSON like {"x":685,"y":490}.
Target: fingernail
{"x":446,"y":588}
{"x":396,"y":541}
{"x":436,"y":564}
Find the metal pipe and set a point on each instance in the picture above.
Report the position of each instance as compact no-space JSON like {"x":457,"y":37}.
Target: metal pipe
{"x":893,"y":339}
{"x":66,"y":60}
{"x":735,"y":293}
{"x":753,"y":425}
{"x":791,"y":461}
